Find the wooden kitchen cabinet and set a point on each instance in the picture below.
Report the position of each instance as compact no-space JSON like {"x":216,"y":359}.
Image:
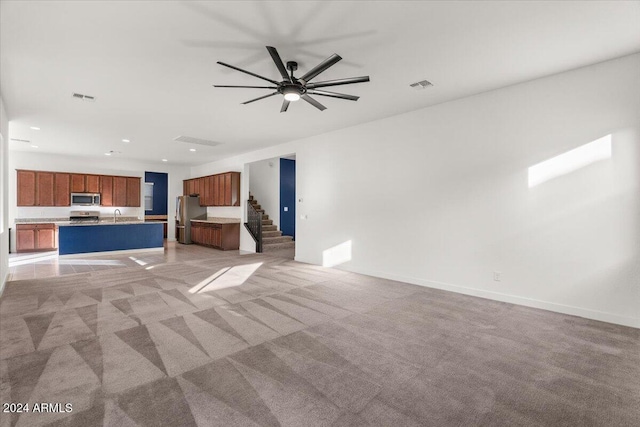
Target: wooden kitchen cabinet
{"x":77,"y":183}
{"x":39,"y":188}
{"x":196,"y":186}
{"x":133,"y":192}
{"x":119,"y":191}
{"x":61,"y":189}
{"x":36,"y":237}
{"x":106,"y":190}
{"x":44,"y":189}
{"x":26,"y":188}
{"x":92,"y":183}
{"x":231,"y":189}
{"x":202,"y":184}
{"x":215,"y":190}
{"x":219,"y":236}
{"x":221,"y":190}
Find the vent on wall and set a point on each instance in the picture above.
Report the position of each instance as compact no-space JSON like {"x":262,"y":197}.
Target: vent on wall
{"x":192,"y":140}
{"x":83,"y":97}
{"x":422,"y":84}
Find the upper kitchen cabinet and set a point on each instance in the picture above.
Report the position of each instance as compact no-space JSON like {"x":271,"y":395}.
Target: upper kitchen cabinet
{"x":44,"y":189}
{"x":84,"y":183}
{"x":215,"y":190}
{"x":92,"y":183}
{"x":36,"y":188}
{"x":77,"y":183}
{"x":61,"y":189}
{"x":232,"y":189}
{"x":106,"y":190}
{"x":133,"y":192}
{"x":119,"y":191}
{"x":26,"y":188}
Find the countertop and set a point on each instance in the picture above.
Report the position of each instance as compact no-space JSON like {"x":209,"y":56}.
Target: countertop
{"x":62,"y":222}
{"x":214,"y":220}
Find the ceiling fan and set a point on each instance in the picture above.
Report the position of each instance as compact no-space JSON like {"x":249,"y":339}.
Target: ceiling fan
{"x":295,"y":88}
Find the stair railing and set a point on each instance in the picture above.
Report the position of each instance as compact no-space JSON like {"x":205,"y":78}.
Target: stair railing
{"x":254,"y":225}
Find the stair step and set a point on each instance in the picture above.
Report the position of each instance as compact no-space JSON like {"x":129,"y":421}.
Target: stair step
{"x":264,"y":215}
{"x":271,"y":233}
{"x":278,"y":246}
{"x":267,"y":222}
{"x":269,"y":228}
{"x":257,"y":206}
{"x":279,"y":239}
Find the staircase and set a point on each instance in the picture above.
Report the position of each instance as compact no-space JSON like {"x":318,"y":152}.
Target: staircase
{"x":272,"y":238}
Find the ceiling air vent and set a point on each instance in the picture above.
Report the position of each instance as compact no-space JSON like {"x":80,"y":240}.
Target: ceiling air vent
{"x":192,"y":140}
{"x":82,"y":97}
{"x":20,"y":140}
{"x":423,"y":84}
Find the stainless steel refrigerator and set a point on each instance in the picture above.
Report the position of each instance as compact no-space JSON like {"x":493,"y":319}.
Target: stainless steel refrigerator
{"x":187,"y":208}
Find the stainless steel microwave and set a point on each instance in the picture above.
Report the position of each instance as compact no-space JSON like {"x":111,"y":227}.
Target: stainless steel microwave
{"x":85,"y":199}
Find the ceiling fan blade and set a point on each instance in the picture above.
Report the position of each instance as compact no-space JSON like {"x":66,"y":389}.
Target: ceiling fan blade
{"x":321,"y":67}
{"x":285,"y":105}
{"x":334,"y":94}
{"x":348,"y":81}
{"x":248,"y":72}
{"x":313,"y":102}
{"x":248,"y":87}
{"x":262,"y":97}
{"x":276,"y":58}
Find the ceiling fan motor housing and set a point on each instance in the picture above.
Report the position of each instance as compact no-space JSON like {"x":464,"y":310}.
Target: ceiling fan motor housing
{"x":292,"y":88}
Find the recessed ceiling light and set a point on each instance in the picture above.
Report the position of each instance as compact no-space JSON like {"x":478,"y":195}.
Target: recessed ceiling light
{"x":35,"y":128}
{"x":107,"y":154}
{"x":125,"y":140}
{"x":192,"y":149}
{"x":165,"y":160}
{"x":34,"y":146}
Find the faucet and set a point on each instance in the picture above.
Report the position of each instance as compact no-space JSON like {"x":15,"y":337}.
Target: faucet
{"x":117,"y":211}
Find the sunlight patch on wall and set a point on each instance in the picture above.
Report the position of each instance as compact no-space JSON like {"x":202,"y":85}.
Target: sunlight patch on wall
{"x":337,"y":255}
{"x":570,"y":161}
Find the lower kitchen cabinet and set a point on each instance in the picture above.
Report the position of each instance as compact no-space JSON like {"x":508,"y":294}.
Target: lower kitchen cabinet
{"x":36,"y":237}
{"x":220,"y":236}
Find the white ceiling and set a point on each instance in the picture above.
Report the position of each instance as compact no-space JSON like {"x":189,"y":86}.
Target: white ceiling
{"x":151,"y":65}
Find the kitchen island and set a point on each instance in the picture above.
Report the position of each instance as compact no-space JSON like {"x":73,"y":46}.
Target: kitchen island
{"x":109,"y":236}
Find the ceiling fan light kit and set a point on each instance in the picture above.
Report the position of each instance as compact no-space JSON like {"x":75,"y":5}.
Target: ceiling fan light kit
{"x":292,"y":88}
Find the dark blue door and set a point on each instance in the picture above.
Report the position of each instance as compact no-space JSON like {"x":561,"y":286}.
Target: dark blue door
{"x":288,"y":197}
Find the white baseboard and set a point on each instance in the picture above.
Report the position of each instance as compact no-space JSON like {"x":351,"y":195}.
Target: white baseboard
{"x":513,"y":299}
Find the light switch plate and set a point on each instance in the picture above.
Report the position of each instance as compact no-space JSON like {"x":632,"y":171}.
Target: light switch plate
{"x":286,"y":209}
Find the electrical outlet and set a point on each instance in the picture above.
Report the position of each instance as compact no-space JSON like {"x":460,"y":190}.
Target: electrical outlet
{"x":497,"y":276}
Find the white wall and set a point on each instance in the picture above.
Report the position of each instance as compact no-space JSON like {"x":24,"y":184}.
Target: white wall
{"x":440,"y":197}
{"x":264,"y":184}
{"x":4,"y":206}
{"x":106,"y":166}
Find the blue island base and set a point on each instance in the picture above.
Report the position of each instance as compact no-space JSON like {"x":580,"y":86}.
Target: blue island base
{"x":82,"y":239}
